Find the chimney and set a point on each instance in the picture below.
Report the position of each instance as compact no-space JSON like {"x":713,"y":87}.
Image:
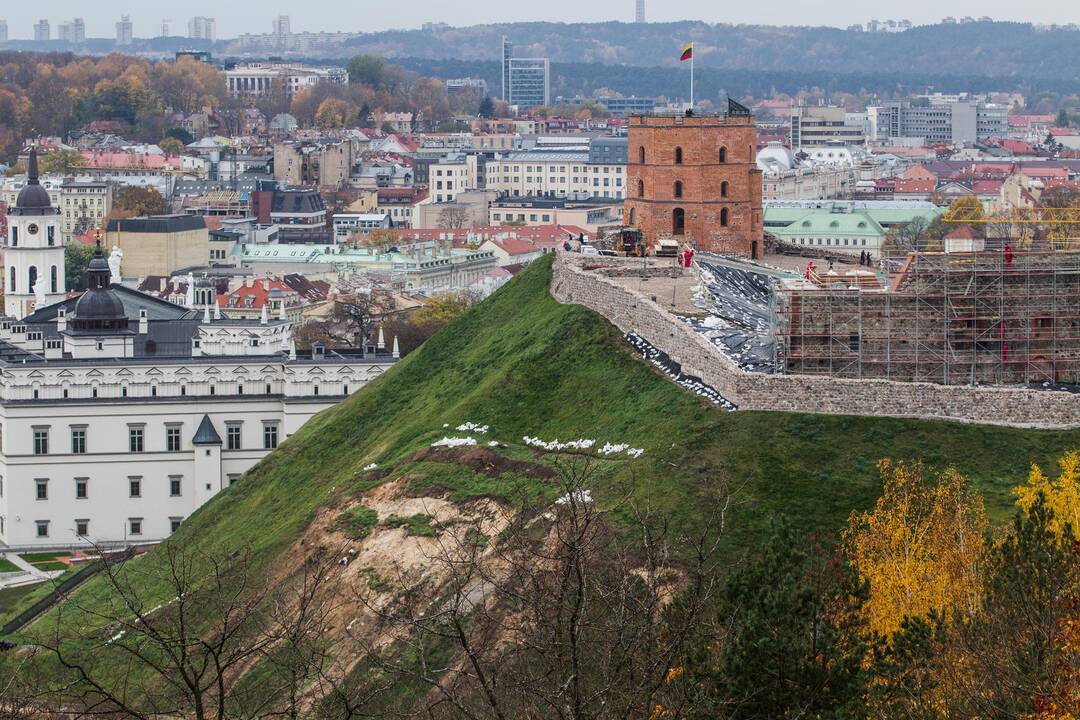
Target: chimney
{"x":144,"y":322}
{"x":61,"y":320}
{"x":381,"y":345}
{"x":396,"y":353}
{"x":265,"y":317}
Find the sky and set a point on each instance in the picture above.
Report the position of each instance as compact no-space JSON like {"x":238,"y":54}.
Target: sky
{"x":240,"y":16}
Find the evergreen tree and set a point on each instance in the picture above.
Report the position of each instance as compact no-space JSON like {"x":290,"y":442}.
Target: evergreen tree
{"x":487,"y":107}
{"x":792,"y":647}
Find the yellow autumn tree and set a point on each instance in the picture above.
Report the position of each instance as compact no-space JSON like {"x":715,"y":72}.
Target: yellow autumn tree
{"x":919,"y":547}
{"x":1062,"y":494}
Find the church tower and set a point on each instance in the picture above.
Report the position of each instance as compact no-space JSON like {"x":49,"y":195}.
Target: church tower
{"x":34,"y":257}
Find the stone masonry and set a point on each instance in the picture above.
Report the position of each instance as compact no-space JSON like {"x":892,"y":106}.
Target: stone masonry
{"x":630,"y":311}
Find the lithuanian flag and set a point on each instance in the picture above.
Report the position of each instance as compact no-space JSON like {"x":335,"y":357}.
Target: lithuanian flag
{"x":687,"y":53}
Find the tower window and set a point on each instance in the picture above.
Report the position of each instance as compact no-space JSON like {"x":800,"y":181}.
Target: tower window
{"x":723,"y":189}
{"x":678,"y":189}
{"x":723,"y":155}
{"x":723,"y":217}
{"x":678,"y":156}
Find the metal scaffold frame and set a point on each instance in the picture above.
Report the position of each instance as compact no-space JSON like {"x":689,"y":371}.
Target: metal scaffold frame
{"x":999,"y":316}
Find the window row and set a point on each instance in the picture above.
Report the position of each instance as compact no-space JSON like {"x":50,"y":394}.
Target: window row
{"x":677,"y":189}
{"x":82,"y":487}
{"x":721,"y":155}
{"x":173,"y":437}
{"x":134,"y":526}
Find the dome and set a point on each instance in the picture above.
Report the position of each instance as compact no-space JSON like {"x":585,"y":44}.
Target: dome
{"x":99,"y":305}
{"x":33,"y":197}
{"x":99,"y":308}
{"x":775,"y":155}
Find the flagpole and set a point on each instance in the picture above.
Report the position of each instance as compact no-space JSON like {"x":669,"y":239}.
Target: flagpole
{"x":692,"y":54}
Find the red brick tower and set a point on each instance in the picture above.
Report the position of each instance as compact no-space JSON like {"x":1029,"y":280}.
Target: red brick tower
{"x":695,"y":179}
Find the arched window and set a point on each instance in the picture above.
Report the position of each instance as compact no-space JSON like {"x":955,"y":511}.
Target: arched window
{"x":11,"y":281}
{"x":53,"y":279}
{"x":641,"y":188}
{"x":723,"y":189}
{"x":678,"y":189}
{"x":678,"y":156}
{"x":678,"y":221}
{"x":632,"y":216}
{"x":723,"y":217}
{"x":723,"y":155}
{"x":641,"y":154}
{"x":31,"y":276}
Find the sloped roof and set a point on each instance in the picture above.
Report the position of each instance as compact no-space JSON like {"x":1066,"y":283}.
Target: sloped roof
{"x":833,"y":224}
{"x":207,"y":434}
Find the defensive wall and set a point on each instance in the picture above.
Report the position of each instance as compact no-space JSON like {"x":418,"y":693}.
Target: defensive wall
{"x":582,"y":281}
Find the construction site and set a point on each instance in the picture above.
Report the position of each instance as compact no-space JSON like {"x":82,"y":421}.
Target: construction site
{"x":1002,"y":311}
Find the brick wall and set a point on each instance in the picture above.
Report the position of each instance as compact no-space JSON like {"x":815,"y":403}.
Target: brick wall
{"x":630,"y":311}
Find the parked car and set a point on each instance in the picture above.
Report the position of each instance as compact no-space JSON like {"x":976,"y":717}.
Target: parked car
{"x":589,"y":250}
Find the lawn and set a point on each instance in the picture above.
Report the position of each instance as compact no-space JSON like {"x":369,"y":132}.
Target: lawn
{"x":8,"y":566}
{"x":34,"y":558}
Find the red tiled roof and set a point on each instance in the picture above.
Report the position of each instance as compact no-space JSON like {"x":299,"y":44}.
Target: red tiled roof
{"x":986,"y":187}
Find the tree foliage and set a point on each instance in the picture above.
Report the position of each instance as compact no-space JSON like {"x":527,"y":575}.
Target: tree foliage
{"x":133,"y":201}
{"x":1061,"y":494}
{"x":920,"y":547}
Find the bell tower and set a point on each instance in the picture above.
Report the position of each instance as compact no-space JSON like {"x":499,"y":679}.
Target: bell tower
{"x":34,"y":257}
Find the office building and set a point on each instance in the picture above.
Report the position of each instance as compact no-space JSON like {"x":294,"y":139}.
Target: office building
{"x":3,"y":31}
{"x":124,"y":31}
{"x":457,"y":85}
{"x":953,"y":123}
{"x":819,"y":126}
{"x":202,"y":28}
{"x":42,"y":31}
{"x":529,"y":82}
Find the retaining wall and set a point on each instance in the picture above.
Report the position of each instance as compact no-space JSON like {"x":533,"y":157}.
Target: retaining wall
{"x":631,"y":311}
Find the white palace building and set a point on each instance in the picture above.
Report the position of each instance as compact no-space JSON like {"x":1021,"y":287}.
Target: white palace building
{"x":120,"y":413}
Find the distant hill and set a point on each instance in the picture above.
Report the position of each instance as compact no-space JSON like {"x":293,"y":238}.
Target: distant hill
{"x":526,"y":365}
{"x":995,"y":49}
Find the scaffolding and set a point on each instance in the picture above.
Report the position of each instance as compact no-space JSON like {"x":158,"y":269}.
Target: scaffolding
{"x":999,"y":316}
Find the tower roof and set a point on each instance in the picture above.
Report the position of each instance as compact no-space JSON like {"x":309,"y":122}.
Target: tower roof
{"x":207,"y":434}
{"x":33,"y":197}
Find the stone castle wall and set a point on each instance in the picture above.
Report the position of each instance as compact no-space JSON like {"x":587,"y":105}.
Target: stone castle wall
{"x":631,"y":311}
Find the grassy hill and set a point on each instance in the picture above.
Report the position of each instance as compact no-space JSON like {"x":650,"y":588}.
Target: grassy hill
{"x":526,"y":365}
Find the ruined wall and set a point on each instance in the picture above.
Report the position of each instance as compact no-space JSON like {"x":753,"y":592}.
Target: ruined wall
{"x":631,"y":311}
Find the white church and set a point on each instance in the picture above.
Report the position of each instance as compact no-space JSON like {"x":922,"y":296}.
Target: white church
{"x":121,"y":413}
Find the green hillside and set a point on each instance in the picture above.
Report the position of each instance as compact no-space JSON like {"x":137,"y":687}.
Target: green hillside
{"x":526,"y":365}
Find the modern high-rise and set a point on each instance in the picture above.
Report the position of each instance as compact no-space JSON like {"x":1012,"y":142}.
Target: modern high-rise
{"x":3,"y":31}
{"x":529,"y":82}
{"x":42,"y":32}
{"x":507,"y":53}
{"x":202,"y":28}
{"x":282,"y":26}
{"x":639,"y":16}
{"x":72,"y":32}
{"x":124,"y":31}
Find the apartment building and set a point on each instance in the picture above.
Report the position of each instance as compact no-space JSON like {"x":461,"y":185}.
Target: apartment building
{"x":954,"y":123}
{"x":83,"y":205}
{"x":557,"y":172}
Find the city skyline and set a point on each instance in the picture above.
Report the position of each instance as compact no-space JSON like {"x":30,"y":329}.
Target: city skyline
{"x":249,"y":17}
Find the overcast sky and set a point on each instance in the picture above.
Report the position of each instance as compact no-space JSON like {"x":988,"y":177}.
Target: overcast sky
{"x":239,"y":16}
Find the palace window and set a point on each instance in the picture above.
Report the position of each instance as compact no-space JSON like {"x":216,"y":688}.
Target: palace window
{"x":81,"y":488}
{"x":41,"y":441}
{"x":135,"y":439}
{"x":175,"y":482}
{"x":270,"y":435}
{"x":41,"y":489}
{"x":78,"y":441}
{"x":232,"y":436}
{"x":134,"y":487}
{"x":172,"y":438}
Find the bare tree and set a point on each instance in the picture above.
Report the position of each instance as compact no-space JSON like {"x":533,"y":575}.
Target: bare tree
{"x":453,"y":216}
{"x":174,"y":633}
